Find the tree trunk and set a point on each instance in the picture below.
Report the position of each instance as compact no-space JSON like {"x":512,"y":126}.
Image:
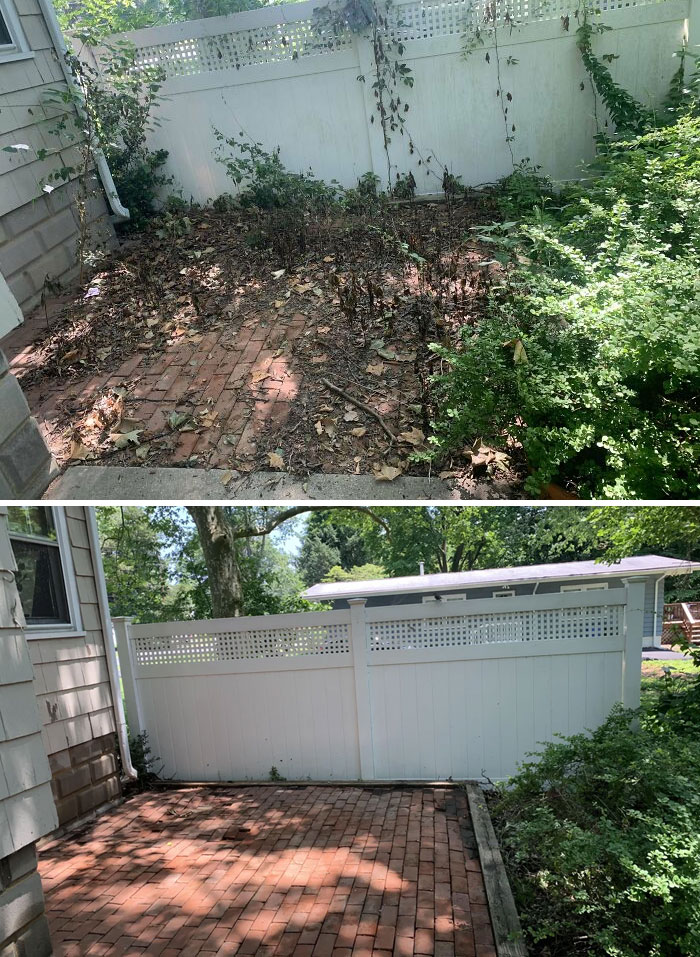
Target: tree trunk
{"x":218,"y":543}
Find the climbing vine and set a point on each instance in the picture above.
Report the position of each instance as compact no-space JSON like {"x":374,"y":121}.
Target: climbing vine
{"x":628,"y":115}
{"x":390,"y":71}
{"x":486,"y":33}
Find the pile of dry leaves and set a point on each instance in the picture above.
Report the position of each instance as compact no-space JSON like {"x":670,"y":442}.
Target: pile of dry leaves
{"x":326,"y":357}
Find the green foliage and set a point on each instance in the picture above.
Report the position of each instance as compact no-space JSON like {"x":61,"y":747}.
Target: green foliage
{"x":629,"y":117}
{"x":590,"y":350}
{"x":365,"y":198}
{"x":357,"y":573}
{"x":138,"y":180}
{"x":523,"y":190}
{"x":143,"y":760}
{"x":600,"y":836}
{"x":155,"y":570}
{"x":328,"y":543}
{"x":267,"y":183}
{"x":275,"y":775}
{"x":101,"y":18}
{"x":404,"y":187}
{"x":661,"y":529}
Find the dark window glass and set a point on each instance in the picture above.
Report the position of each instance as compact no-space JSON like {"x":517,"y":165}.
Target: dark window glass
{"x":5,"y":38}
{"x":40,"y":583}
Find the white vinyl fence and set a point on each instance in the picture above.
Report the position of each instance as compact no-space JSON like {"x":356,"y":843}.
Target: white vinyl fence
{"x":267,"y":73}
{"x":405,"y":692}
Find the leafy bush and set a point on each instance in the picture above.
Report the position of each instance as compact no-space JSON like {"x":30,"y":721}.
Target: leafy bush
{"x":590,"y":350}
{"x":117,"y":101}
{"x":267,"y":183}
{"x":600,"y":835}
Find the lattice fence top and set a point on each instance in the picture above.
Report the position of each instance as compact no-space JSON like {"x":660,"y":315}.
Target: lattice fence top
{"x":226,"y":51}
{"x":420,"y":20}
{"x":292,"y":642}
{"x":454,"y":631}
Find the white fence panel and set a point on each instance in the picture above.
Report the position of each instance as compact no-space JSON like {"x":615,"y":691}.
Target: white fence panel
{"x":267,"y":74}
{"x":420,"y":692}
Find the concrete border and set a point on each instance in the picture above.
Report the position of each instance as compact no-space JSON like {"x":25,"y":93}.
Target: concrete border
{"x":505,"y":921}
{"x":125,"y":484}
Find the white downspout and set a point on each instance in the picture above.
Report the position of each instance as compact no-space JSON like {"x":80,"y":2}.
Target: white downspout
{"x":658,"y":635}
{"x":110,"y":650}
{"x":121,"y":213}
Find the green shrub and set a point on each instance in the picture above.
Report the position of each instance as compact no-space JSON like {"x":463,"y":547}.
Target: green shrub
{"x":590,"y":349}
{"x":601,"y":839}
{"x":138,"y":179}
{"x":267,"y":183}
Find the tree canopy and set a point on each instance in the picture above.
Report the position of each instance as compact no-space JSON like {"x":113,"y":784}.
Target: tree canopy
{"x":172,"y":563}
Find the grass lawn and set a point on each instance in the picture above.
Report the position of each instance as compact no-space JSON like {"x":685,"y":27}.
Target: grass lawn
{"x":653,"y":672}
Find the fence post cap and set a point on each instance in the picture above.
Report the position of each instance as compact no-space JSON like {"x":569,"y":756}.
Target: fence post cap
{"x":356,"y":601}
{"x":120,"y":618}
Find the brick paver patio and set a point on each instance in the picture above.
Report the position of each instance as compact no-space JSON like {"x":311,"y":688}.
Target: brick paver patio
{"x":304,"y":871}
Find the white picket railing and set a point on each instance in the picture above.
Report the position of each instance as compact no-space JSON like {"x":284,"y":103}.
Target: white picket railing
{"x":274,"y":76}
{"x":410,"y":692}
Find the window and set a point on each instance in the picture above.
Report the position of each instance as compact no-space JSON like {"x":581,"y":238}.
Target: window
{"x":505,"y":593}
{"x":460,"y":596}
{"x":13,"y":44}
{"x":592,"y":586}
{"x":45,"y":578}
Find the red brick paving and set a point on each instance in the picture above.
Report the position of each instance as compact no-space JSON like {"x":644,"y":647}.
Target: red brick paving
{"x":309,"y":872}
{"x":221,"y":371}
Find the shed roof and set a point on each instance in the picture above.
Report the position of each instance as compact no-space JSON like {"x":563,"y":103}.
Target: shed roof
{"x":455,"y":581}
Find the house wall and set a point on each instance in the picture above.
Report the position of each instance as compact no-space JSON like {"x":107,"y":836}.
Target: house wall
{"x":38,"y":232}
{"x":26,"y":465}
{"x":652,"y":623}
{"x":73,"y":692}
{"x":27,"y":809}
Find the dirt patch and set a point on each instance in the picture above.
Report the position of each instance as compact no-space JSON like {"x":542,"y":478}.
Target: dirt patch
{"x":199,"y":344}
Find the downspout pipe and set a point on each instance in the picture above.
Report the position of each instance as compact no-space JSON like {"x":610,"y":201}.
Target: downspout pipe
{"x":120,"y":213}
{"x":110,"y":650}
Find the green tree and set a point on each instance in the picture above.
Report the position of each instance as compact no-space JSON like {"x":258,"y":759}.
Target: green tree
{"x":357,"y":573}
{"x":328,"y":543}
{"x":670,"y":530}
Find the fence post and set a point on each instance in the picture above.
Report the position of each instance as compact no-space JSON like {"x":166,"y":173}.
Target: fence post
{"x":693,"y":26}
{"x":634,"y":635}
{"x":358,"y":641}
{"x":122,"y":632}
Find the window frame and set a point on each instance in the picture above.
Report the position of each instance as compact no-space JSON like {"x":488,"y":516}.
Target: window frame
{"x":19,"y":49}
{"x":74,"y":627}
{"x":588,"y":586}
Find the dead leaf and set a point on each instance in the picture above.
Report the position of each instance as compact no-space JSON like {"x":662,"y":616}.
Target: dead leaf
{"x":276,"y":461}
{"x":519,"y":353}
{"x":180,"y":421}
{"x":259,"y":375}
{"x":351,"y":416}
{"x":319,"y":428}
{"x":359,"y":432}
{"x":207,"y":418}
{"x":78,"y":450}
{"x":143,"y":450}
{"x":122,"y":439}
{"x":278,"y":273}
{"x":318,"y":359}
{"x":387,"y":473}
{"x":413,"y":437}
{"x":376,"y":369}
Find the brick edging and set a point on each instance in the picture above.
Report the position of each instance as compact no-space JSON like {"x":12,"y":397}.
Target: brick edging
{"x":505,"y":921}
